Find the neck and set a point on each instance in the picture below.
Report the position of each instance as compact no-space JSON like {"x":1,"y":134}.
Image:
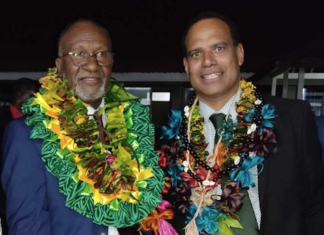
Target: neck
{"x":218,"y":102}
{"x":95,"y":104}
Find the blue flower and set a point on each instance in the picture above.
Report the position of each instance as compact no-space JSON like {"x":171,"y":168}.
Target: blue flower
{"x":249,"y":115}
{"x":244,"y":176}
{"x":228,"y":127}
{"x":268,"y":113}
{"x":172,"y":129}
{"x":207,"y":220}
{"x":174,"y":172}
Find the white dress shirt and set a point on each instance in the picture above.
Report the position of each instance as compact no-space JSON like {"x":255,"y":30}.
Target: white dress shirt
{"x":91,"y":111}
{"x":229,"y":107}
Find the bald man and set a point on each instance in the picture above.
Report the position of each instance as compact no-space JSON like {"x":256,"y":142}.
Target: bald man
{"x":35,"y":206}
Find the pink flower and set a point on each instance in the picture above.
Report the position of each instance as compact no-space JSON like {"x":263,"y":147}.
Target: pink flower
{"x":110,"y":158}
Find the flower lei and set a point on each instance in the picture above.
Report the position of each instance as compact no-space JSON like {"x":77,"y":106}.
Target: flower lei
{"x":194,"y":180}
{"x":116,"y":181}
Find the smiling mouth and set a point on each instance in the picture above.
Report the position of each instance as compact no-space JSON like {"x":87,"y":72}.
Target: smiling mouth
{"x":212,"y":76}
{"x":90,"y":80}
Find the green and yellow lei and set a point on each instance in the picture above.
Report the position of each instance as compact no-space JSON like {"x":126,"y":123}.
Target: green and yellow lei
{"x":116,"y":182}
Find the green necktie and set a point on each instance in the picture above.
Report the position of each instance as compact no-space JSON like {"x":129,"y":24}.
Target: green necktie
{"x":246,"y":214}
{"x":217,"y":120}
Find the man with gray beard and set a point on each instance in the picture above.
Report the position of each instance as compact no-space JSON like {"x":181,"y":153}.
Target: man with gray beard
{"x":85,"y":59}
{"x":35,"y":204}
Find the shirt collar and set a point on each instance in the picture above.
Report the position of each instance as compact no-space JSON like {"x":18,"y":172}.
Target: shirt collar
{"x":207,"y":111}
{"x":91,"y":111}
{"x":15,"y":113}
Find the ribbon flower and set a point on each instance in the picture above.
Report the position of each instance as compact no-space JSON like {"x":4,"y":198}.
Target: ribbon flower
{"x":170,"y":131}
{"x":174,"y":172}
{"x":244,"y":175}
{"x":268,"y":112}
{"x":207,"y":220}
{"x":156,"y":221}
{"x":231,"y":199}
{"x":197,"y":196}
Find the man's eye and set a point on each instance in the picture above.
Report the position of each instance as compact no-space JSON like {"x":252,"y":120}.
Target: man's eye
{"x":78,"y":53}
{"x":195,"y":54}
{"x":220,"y":48}
{"x":101,"y":54}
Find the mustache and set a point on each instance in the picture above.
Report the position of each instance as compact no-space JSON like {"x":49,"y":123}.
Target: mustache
{"x":89,"y":75}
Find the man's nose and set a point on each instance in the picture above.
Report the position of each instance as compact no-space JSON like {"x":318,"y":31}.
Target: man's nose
{"x":209,"y":59}
{"x":92,"y":64}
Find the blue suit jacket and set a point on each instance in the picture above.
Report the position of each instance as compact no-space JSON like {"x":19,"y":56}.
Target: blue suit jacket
{"x":320,"y":128}
{"x":34,"y":204}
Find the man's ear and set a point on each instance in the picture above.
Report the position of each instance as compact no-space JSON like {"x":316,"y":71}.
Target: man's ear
{"x":240,"y":53}
{"x":185,"y":64}
{"x":18,"y":97}
{"x":58,"y":64}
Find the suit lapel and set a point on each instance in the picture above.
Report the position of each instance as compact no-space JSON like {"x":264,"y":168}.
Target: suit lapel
{"x":262,"y":180}
{"x":263,"y":175}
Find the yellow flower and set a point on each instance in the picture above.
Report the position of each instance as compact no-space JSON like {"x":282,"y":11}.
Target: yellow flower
{"x":128,"y":195}
{"x":68,"y":142}
{"x":53,"y":112}
{"x":51,"y":97}
{"x":79,"y":119}
{"x":76,"y":158}
{"x":122,"y":106}
{"x":41,"y":101}
{"x":248,"y":90}
{"x":241,"y":109}
{"x":248,"y":104}
{"x":50,"y":82}
{"x":245,"y":84}
{"x":54,"y":126}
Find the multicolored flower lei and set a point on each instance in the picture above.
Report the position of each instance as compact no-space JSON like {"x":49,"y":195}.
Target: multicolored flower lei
{"x":116,"y":181}
{"x":195,"y":181}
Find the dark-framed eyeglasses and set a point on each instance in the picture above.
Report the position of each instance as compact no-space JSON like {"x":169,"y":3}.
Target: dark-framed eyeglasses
{"x":81,"y":58}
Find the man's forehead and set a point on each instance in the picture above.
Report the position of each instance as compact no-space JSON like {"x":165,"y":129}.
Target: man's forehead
{"x":86,"y":32}
{"x":206,"y":29}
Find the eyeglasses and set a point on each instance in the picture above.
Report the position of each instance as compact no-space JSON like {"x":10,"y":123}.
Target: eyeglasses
{"x":81,"y":58}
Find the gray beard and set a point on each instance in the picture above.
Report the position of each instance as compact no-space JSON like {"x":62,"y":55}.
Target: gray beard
{"x":79,"y":92}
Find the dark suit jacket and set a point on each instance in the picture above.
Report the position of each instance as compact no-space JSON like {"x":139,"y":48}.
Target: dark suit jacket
{"x":291,"y":186}
{"x":34,"y":204}
{"x":320,"y":129}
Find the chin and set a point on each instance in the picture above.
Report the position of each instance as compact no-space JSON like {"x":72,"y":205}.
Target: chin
{"x":210,"y":91}
{"x":89,"y":96}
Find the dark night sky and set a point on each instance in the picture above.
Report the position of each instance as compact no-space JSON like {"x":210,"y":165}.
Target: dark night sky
{"x":146,"y":33}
